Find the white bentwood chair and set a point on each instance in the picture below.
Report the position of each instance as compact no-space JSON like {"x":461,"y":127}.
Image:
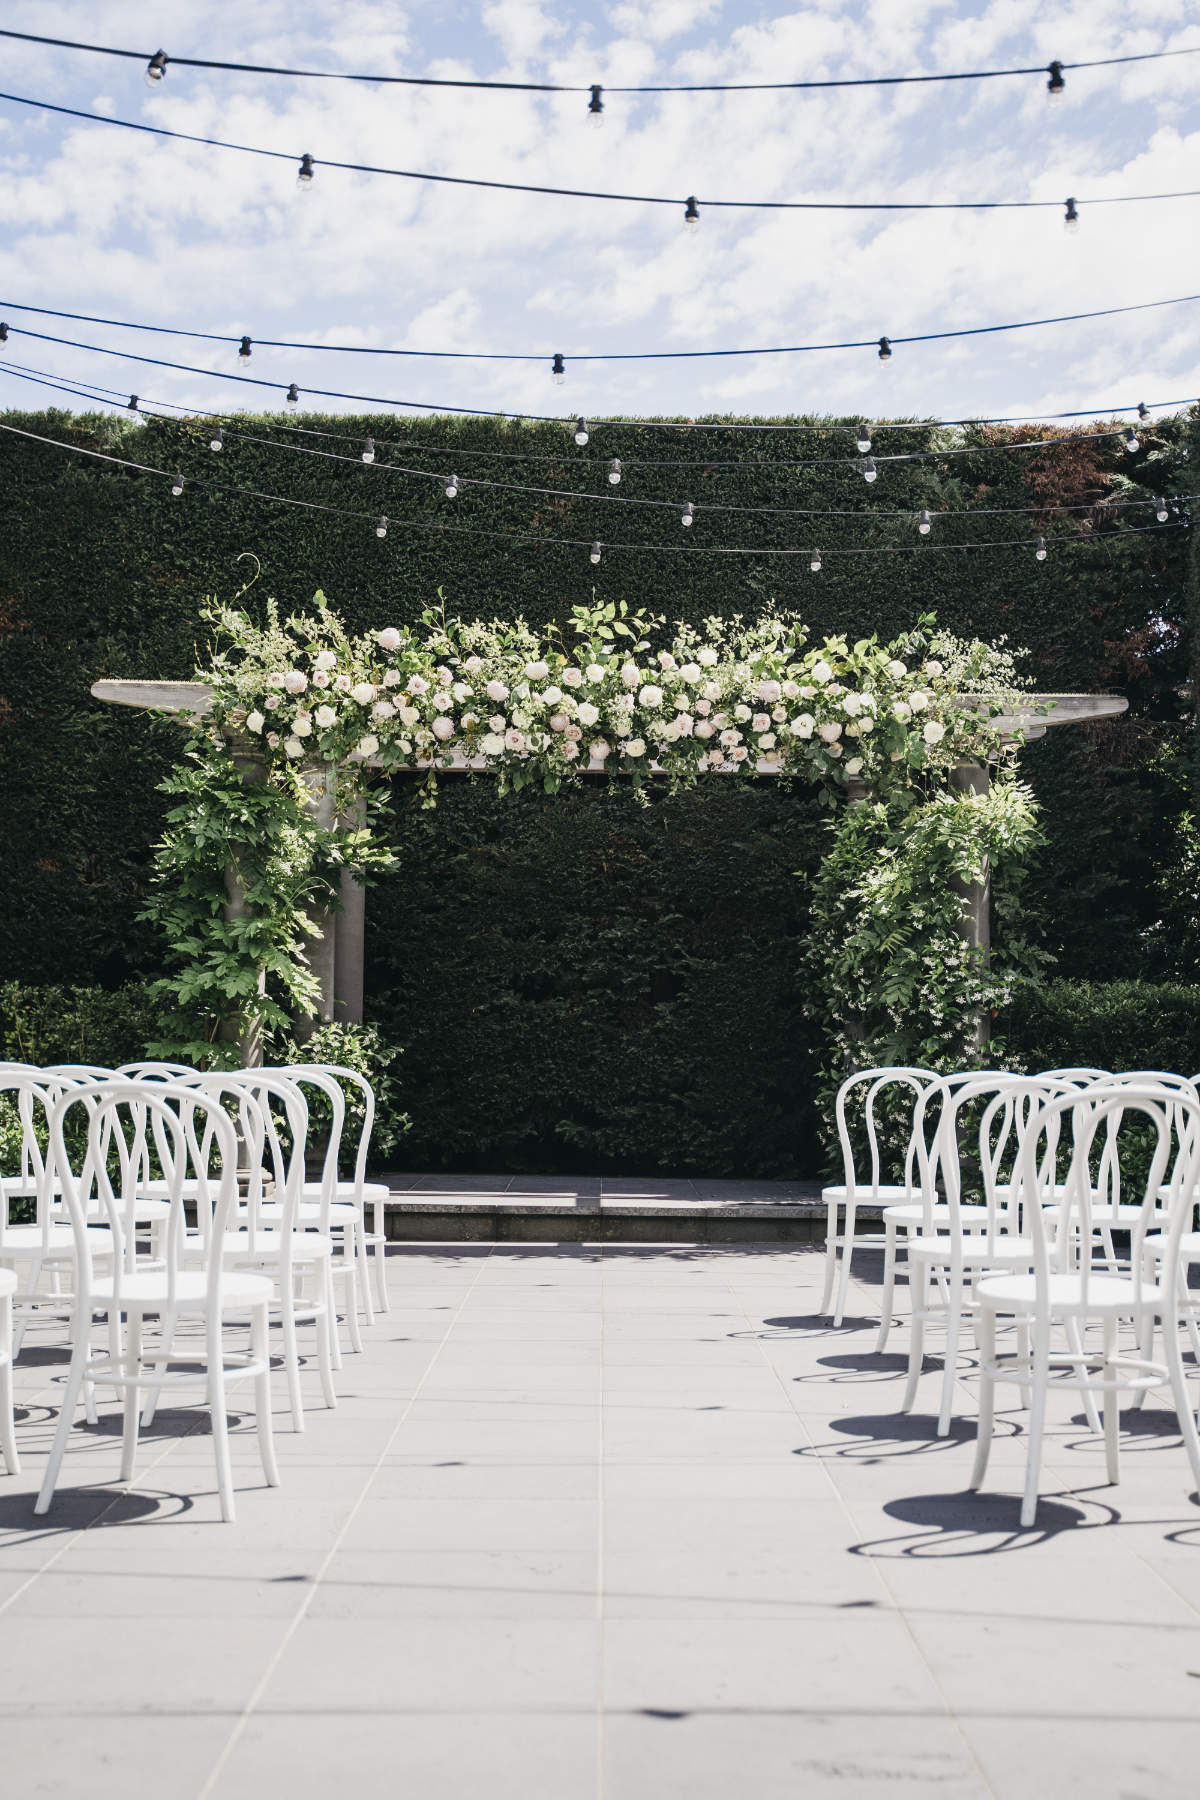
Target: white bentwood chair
{"x":8,"y":1433}
{"x":1069,"y":1281}
{"x":358,"y":1192}
{"x":196,"y":1146}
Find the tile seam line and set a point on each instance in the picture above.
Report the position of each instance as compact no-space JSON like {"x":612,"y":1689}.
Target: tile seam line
{"x":949,"y":1712}
{"x":247,"y":1711}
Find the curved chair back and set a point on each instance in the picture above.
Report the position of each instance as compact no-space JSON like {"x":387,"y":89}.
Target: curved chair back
{"x":873,"y":1084}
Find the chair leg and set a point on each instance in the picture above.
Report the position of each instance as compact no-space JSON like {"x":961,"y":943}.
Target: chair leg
{"x":350,"y":1276}
{"x":1179,"y":1392}
{"x":8,"y":1433}
{"x":986,"y":1339}
{"x":889,"y":1285}
{"x":217,"y":1413}
{"x":66,"y":1420}
{"x":260,"y":1345}
{"x":1037,"y":1420}
{"x":844,"y":1278}
{"x":167,"y":1327}
{"x":326,"y":1324}
{"x":323,"y":1281}
{"x":950,"y":1363}
{"x":362,"y":1268}
{"x":1074,"y":1332}
{"x":1112,"y":1406}
{"x":291,"y":1354}
{"x":132,"y":1364}
{"x":916,"y":1334}
{"x":379,"y":1253}
{"x":831,"y":1257}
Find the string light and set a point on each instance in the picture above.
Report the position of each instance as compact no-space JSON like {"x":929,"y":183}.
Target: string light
{"x":217,"y":439}
{"x":177,"y":486}
{"x":596,"y":107}
{"x":368,"y":450}
{"x":1071,"y":217}
{"x":558,"y":369}
{"x":1161,"y":512}
{"x":1040,"y":551}
{"x":885,"y":350}
{"x":924,"y":523}
{"x":691,"y":214}
{"x":614,"y":472}
{"x":293,"y":395}
{"x":3,"y":332}
{"x":1132,"y":441}
{"x":244,"y":351}
{"x":595,"y":552}
{"x":581,"y":432}
{"x":381,"y":527}
{"x":452,"y":488}
{"x":815,"y":562}
{"x":688,"y":513}
{"x":156,"y":69}
{"x":1056,"y":86}
{"x":304,"y":179}
{"x":1143,"y":410}
{"x":133,"y":403}
{"x":869,"y":471}
{"x":863,"y":440}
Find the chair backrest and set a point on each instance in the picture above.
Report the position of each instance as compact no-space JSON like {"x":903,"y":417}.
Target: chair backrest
{"x":316,"y":1077}
{"x":352,"y":1078}
{"x":156,"y":1071}
{"x":1005,"y":1103}
{"x":24,"y":1174}
{"x":272,"y":1130}
{"x":196,"y":1147}
{"x":865,"y":1088}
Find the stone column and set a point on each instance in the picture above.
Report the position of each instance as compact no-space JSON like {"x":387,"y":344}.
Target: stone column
{"x":253,"y":772}
{"x":321,"y":951}
{"x":976,"y":925}
{"x":350,"y":937}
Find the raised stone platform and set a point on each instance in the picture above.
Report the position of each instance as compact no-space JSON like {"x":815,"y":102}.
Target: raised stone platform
{"x":600,"y":1209}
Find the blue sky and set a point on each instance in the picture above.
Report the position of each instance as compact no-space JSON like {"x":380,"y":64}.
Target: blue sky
{"x":97,"y":220}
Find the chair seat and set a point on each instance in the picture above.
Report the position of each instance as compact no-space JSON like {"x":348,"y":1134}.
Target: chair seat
{"x":1105,"y":1293}
{"x":1123,"y":1217}
{"x":1189,"y":1244}
{"x":8,"y":1283}
{"x":26,"y":1241}
{"x":975,"y":1251}
{"x":939,"y":1214}
{"x":866,"y":1195}
{"x":269,"y":1246}
{"x":148,"y":1292}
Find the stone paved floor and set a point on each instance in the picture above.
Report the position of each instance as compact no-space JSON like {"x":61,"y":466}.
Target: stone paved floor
{"x":597,"y":1526}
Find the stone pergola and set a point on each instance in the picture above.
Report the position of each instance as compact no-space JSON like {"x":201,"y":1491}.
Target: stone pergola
{"x":336,"y":956}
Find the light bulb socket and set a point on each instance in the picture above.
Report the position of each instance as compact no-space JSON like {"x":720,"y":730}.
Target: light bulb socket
{"x":595,"y":552}
{"x":3,"y":332}
{"x":1056,"y":85}
{"x":596,"y":104}
{"x":293,"y":395}
{"x":885,"y":350}
{"x":924,"y":523}
{"x":1040,"y":551}
{"x":1143,"y":410}
{"x":691,"y":213}
{"x":368,"y":450}
{"x":581,"y":432}
{"x":308,"y":169}
{"x":156,"y":68}
{"x":614,"y":471}
{"x":217,"y":439}
{"x":133,"y":402}
{"x":869,"y":471}
{"x":244,"y":350}
{"x":558,"y":368}
{"x":1071,"y":216}
{"x":863,"y":440}
{"x":381,"y":527}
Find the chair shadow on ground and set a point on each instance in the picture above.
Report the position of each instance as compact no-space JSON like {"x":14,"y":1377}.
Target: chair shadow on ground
{"x":87,"y":1509}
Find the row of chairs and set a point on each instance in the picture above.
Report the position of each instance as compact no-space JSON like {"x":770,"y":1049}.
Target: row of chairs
{"x":1059,"y":1206}
{"x":169,"y":1217}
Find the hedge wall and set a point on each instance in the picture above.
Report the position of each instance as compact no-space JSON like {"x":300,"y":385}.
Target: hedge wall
{"x":585,"y":981}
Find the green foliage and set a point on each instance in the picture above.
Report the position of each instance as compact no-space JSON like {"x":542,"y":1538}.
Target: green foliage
{"x":1115,"y":1025}
{"x":363,"y":1049}
{"x":60,"y":1024}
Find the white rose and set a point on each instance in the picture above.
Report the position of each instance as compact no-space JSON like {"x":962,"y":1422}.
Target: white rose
{"x":651,"y":696}
{"x":852,"y":728}
{"x":514,"y":740}
{"x":854,"y":765}
{"x":865,"y":725}
{"x":720,"y":720}
{"x":443,"y":727}
{"x":443,"y":701}
{"x":325,"y":660}
{"x":409,"y":716}
{"x":769,"y":691}
{"x":497,"y":722}
{"x":897,"y":671}
{"x":570,"y":749}
{"x":301,"y":726}
{"x":368,"y":745}
{"x":707,"y":657}
{"x":342,"y":683}
{"x":393,"y":678}
{"x":277,"y":679}
{"x":537,"y":671}
{"x":496,"y":690}
{"x":594,"y":672}
{"x":462,"y":690}
{"x":363,"y":692}
{"x":918,"y":701}
{"x":712,"y":690}
{"x":852,"y":705}
{"x":790,"y":690}
{"x":472,"y":665}
{"x":834,"y":749}
{"x":901,"y":710}
{"x":684,"y":724}
{"x":704,"y":707}
{"x":492,"y":744}
{"x":320,"y":678}
{"x":271,"y":701}
{"x":598,"y":750}
{"x":822,"y":673}
{"x":630,"y":674}
{"x":831,"y":732}
{"x":761,"y":722}
{"x":295,"y":681}
{"x":293,"y":747}
{"x":731,"y":737}
{"x":806,"y":693}
{"x":690,"y":671}
{"x":558,"y":721}
{"x":443,"y":674}
{"x":741,"y":713}
{"x":417,"y":684}
{"x":573,"y":677}
{"x":388,"y":639}
{"x":572,"y":734}
{"x":934,"y":668}
{"x":767,"y":740}
{"x":255,"y":721}
{"x":273,"y":739}
{"x":382,"y":709}
{"x":588,"y":714}
{"x":779,"y":714}
{"x":468,"y":720}
{"x":635,"y":747}
{"x":325,"y":717}
{"x":520,"y":718}
{"x":550,"y":696}
{"x":934,"y":731}
{"x":704,"y":729}
{"x":665,"y":660}
{"x":668,"y":731}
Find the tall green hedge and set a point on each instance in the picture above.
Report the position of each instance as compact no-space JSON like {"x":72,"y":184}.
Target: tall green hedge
{"x":585,"y":980}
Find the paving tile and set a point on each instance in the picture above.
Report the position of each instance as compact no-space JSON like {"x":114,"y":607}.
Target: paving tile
{"x":1119,"y":1758}
{"x":465,"y":1583}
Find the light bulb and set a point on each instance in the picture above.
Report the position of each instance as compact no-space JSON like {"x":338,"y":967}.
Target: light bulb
{"x":688,"y":514}
{"x":156,"y":69}
{"x":595,"y":553}
{"x":368,"y":451}
{"x":614,"y":471}
{"x":452,"y":488}
{"x":885,"y":350}
{"x":381,"y":527}
{"x":177,"y":486}
{"x":304,"y":179}
{"x":1132,"y":441}
{"x":1040,"y":552}
{"x":863,"y":440}
{"x":1160,"y":510}
{"x":244,"y":351}
{"x":581,"y":432}
{"x":815,"y":562}
{"x":133,"y":403}
{"x":1056,"y":86}
{"x":870,"y":472}
{"x":691,"y":214}
{"x":3,"y":331}
{"x":924,"y":523}
{"x":1071,"y":217}
{"x":1143,"y":410}
{"x":293,"y":395}
{"x":596,"y":107}
{"x":217,"y":439}
{"x":558,"y":369}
